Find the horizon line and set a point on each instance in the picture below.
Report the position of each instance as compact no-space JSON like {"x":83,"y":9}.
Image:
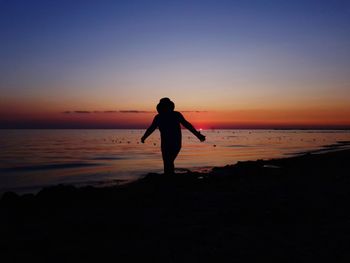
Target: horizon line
{"x":203,"y":129}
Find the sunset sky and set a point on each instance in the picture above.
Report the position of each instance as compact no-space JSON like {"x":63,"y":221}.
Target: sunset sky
{"x":225,"y":64}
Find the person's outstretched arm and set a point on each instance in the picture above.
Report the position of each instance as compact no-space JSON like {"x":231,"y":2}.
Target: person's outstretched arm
{"x":150,"y":129}
{"x":190,"y":127}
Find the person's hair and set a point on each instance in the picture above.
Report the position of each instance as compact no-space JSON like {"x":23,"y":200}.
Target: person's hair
{"x":165,"y":105}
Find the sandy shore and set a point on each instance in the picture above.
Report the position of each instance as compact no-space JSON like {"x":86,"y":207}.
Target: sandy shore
{"x":289,"y":210}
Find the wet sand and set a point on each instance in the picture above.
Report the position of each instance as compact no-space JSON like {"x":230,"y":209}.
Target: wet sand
{"x":288,"y":210}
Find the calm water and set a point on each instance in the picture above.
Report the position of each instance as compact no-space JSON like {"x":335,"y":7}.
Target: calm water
{"x":31,"y":159}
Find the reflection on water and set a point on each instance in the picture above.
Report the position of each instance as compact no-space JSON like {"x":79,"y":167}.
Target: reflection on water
{"x":34,"y":158}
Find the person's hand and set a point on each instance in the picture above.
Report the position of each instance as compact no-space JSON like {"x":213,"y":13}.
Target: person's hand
{"x":201,"y":137}
{"x":143,"y":139}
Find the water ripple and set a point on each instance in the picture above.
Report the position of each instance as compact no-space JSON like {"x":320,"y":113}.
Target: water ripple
{"x":49,"y":167}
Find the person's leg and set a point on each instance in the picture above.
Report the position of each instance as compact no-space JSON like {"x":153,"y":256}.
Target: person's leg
{"x":173,"y":157}
{"x":168,"y":164}
{"x":170,"y":167}
{"x":169,"y":156}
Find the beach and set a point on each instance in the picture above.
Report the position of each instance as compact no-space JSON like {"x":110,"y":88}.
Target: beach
{"x":288,"y":210}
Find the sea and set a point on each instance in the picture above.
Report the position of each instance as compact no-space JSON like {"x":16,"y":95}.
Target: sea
{"x":33,"y":159}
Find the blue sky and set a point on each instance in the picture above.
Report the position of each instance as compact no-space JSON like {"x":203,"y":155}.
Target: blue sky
{"x":215,"y":55}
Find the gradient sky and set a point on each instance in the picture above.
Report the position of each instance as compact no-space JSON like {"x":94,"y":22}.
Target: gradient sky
{"x":239,"y":63}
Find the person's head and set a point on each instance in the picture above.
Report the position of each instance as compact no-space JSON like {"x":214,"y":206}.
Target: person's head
{"x":165,"y":105}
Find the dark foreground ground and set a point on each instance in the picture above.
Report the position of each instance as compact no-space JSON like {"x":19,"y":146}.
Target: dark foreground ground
{"x":249,"y":212}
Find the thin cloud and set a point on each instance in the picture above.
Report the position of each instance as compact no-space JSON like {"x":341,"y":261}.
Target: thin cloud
{"x":195,"y":111}
{"x":120,"y":111}
{"x":77,"y":111}
{"x":135,"y":111}
{"x":82,"y":111}
{"x":106,"y":111}
{"x":110,"y":111}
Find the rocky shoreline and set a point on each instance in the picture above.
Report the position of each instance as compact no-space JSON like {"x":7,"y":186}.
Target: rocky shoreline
{"x":292,"y":210}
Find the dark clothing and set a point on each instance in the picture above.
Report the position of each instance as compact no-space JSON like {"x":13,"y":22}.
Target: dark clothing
{"x":170,"y":129}
{"x":170,"y":134}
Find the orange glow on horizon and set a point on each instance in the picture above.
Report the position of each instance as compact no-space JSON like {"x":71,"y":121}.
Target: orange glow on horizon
{"x":203,"y":120}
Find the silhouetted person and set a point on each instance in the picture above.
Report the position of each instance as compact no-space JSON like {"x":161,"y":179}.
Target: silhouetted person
{"x":168,"y":121}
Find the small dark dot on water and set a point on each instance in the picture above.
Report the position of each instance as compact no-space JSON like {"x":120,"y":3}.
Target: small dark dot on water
{"x":128,"y":142}
{"x":120,"y":141}
{"x":214,"y":145}
{"x":154,"y":144}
